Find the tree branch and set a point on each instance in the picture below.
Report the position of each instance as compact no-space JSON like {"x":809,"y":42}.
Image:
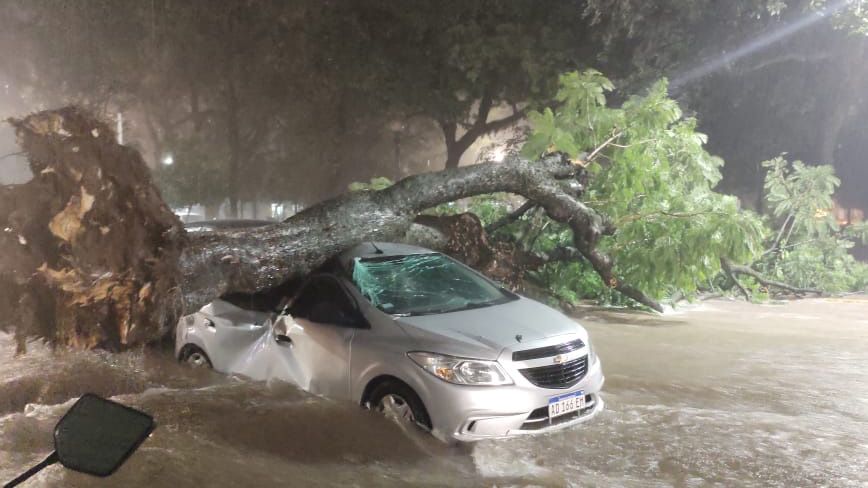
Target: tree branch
{"x":602,"y":146}
{"x":727,"y":269}
{"x":504,"y":123}
{"x":603,"y":265}
{"x":675,"y":215}
{"x":457,"y":146}
{"x":737,"y":269}
{"x":510,"y":217}
{"x":563,"y":254}
{"x":777,"y":242}
{"x":477,"y":131}
{"x":484,"y":109}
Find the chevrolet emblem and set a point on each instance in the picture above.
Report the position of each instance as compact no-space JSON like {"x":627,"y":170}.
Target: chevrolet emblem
{"x":559,"y":359}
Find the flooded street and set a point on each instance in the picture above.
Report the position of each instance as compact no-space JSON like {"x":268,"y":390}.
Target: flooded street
{"x":722,"y":394}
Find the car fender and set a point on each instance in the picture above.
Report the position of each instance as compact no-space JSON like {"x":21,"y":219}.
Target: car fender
{"x":189,"y":331}
{"x":401,"y":368}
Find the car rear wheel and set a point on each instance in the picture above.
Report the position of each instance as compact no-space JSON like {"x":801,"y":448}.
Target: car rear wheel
{"x":400,"y":403}
{"x":195,"y":357}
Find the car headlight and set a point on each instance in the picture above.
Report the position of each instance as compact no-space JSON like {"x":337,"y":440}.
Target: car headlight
{"x":592,"y":355}
{"x":461,"y":371}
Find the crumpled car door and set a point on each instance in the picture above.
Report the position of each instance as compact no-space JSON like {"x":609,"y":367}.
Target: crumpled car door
{"x":320,"y":355}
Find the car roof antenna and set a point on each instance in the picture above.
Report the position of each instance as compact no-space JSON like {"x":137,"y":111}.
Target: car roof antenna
{"x":377,"y":249}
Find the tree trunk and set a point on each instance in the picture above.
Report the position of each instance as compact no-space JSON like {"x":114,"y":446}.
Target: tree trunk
{"x":91,"y":234}
{"x":453,"y":151}
{"x":215,"y":264}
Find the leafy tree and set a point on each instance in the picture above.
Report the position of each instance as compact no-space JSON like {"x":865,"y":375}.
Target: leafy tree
{"x":850,"y":15}
{"x":454,"y":62}
{"x":809,"y":248}
{"x":651,"y":176}
{"x":793,"y":68}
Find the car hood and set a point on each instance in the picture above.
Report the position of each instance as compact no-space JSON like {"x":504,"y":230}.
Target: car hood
{"x":484,"y":332}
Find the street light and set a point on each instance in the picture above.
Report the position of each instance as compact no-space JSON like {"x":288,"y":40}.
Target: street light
{"x":168,"y":160}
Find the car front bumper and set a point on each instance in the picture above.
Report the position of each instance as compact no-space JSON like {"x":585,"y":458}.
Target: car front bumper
{"x":464,"y":413}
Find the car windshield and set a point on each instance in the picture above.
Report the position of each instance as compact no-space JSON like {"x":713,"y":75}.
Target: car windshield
{"x":422,"y":284}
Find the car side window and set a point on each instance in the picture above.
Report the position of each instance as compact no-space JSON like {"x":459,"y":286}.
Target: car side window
{"x":331,"y":293}
{"x":305,"y":299}
{"x":321,"y":290}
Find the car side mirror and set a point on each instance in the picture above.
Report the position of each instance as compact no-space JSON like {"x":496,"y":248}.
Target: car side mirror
{"x":95,"y":437}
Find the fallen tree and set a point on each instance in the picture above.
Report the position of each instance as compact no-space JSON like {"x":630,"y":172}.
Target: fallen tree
{"x":807,"y":254}
{"x":93,"y":257}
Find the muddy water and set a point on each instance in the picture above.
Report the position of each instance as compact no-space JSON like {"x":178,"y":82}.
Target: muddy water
{"x":724,"y":394}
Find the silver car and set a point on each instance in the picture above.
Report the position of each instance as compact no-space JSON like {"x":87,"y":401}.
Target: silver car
{"x":416,"y":334}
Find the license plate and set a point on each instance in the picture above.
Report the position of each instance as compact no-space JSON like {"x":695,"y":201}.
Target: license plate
{"x":564,"y":404}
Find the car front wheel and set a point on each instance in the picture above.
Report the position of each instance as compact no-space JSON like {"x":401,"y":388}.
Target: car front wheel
{"x":399,"y":402}
{"x":195,"y":357}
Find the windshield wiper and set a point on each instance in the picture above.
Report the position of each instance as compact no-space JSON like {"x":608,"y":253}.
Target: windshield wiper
{"x":467,"y":306}
{"x":472,"y":305}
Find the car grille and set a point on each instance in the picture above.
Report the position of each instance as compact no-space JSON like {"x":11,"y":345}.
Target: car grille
{"x":562,"y":375}
{"x":544,"y":352}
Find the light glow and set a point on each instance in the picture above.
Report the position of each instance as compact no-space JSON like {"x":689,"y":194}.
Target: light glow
{"x":759,"y":43}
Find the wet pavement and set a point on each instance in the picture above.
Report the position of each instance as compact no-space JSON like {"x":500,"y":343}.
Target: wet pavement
{"x":717,"y":394}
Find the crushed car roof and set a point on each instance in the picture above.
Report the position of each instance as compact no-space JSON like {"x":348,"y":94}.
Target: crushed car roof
{"x":380,"y":249}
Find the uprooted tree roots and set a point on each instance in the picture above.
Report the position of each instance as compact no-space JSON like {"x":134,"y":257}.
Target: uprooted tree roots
{"x":93,"y":257}
{"x":90,"y":250}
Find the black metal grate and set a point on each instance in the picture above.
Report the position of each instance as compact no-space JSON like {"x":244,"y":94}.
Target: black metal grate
{"x":544,"y":352}
{"x":562,"y":375}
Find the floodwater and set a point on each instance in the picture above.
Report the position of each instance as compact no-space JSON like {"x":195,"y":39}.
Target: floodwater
{"x":720,"y":394}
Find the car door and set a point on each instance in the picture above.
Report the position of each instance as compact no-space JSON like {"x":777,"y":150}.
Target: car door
{"x":317,"y":336}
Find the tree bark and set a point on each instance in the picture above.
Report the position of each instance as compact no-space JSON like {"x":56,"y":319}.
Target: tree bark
{"x":92,"y":236}
{"x":727,"y":270}
{"x":215,"y":264}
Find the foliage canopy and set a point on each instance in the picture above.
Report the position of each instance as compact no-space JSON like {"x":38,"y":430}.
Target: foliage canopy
{"x":652,"y":177}
{"x":809,"y":248}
